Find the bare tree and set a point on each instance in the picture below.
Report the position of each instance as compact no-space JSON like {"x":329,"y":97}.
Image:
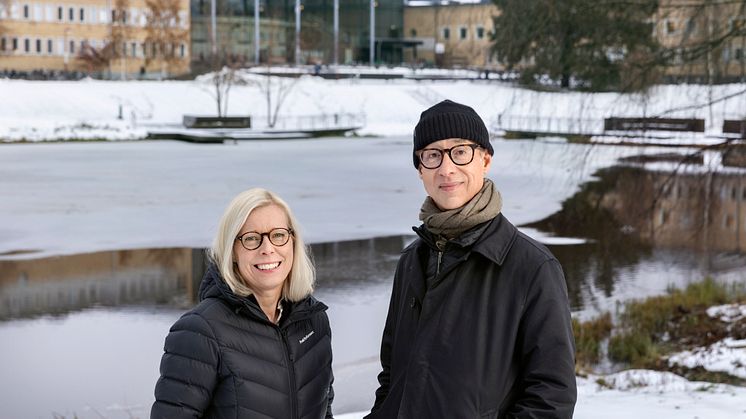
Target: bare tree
{"x":219,"y":84}
{"x":119,"y":34}
{"x":166,"y":33}
{"x":275,"y":90}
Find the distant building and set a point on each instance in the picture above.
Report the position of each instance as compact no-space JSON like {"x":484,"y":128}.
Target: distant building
{"x":452,"y":34}
{"x":685,"y":28}
{"x":46,"y":35}
{"x":235,"y":31}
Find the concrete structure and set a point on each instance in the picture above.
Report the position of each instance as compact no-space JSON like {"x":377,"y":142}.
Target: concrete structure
{"x":51,"y":34}
{"x":452,"y":34}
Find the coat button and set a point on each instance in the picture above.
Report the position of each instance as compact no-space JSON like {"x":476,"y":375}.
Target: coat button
{"x":412,"y":302}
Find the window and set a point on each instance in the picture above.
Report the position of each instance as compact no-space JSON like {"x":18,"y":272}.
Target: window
{"x":82,"y":14}
{"x":739,"y":54}
{"x":480,"y":32}
{"x":26,"y":45}
{"x":462,"y":32}
{"x":134,"y":49}
{"x":413,"y":32}
{"x":691,"y":26}
{"x":71,"y":50}
{"x":2,"y":44}
{"x":71,"y":15}
{"x":60,"y":13}
{"x":446,"y":33}
{"x":38,"y":46}
{"x":50,"y":46}
{"x":182,"y":50}
{"x":670,"y":26}
{"x":25,"y":11}
{"x":15,"y":44}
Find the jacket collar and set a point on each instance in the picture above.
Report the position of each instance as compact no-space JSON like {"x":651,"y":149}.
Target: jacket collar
{"x":497,"y":239}
{"x":492,"y":239}
{"x":213,"y":286}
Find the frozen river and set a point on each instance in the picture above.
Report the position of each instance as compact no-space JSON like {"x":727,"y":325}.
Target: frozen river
{"x":99,"y":359}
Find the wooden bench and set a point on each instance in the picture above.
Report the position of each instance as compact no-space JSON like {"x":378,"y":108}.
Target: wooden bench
{"x":735,"y":126}
{"x":212,"y":122}
{"x":654,"y":124}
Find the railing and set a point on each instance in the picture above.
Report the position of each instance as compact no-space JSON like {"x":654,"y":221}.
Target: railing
{"x":312,"y":122}
{"x":548,"y":125}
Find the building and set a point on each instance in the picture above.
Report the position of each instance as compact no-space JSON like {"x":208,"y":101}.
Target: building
{"x":110,"y":38}
{"x":685,"y":29}
{"x":450,"y":33}
{"x":277,"y":25}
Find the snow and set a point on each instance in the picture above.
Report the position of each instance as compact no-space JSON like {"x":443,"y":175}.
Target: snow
{"x":74,"y":197}
{"x":51,"y":110}
{"x":727,"y":355}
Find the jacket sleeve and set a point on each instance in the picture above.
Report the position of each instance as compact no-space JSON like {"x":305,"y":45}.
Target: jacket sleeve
{"x":546,"y":386}
{"x":384,"y":377}
{"x":330,"y":392}
{"x":189,"y":370}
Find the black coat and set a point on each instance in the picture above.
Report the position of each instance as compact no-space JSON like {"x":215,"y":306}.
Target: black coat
{"x":225,"y":359}
{"x":489,"y":337}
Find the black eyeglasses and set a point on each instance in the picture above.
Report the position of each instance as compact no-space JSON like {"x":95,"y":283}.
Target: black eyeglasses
{"x":251,"y":240}
{"x":460,"y":155}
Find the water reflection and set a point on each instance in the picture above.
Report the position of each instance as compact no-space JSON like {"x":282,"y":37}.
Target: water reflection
{"x":60,"y":284}
{"x":650,"y":229}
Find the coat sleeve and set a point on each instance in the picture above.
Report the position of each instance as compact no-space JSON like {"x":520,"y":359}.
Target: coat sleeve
{"x":384,"y":377}
{"x":189,"y":370}
{"x":546,"y":386}
{"x":330,"y":392}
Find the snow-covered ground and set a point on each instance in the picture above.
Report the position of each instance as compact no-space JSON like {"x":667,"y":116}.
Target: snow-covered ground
{"x":89,"y":109}
{"x":70,"y":198}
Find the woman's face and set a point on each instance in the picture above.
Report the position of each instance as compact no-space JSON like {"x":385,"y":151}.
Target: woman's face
{"x":265,"y":268}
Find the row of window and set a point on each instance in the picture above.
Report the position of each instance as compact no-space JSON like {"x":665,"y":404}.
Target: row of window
{"x":463,"y":32}
{"x":62,"y":47}
{"x":79,"y":14}
{"x":688,"y":26}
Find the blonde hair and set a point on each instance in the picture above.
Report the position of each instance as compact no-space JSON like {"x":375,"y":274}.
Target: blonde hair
{"x":302,"y":276}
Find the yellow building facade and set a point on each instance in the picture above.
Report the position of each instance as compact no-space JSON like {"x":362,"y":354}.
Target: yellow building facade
{"x":51,"y":34}
{"x":683,"y":29}
{"x":451,"y":34}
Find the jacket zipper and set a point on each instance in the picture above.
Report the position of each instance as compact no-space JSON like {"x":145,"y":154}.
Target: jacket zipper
{"x":437,"y":267}
{"x":291,"y":374}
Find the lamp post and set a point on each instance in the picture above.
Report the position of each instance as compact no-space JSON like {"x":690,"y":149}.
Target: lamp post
{"x":297,"y":32}
{"x":213,"y":28}
{"x":372,"y":45}
{"x":336,"y":32}
{"x":257,"y":39}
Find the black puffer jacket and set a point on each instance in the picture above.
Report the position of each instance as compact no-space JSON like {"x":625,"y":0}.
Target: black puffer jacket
{"x":489,"y":336}
{"x":225,"y":359}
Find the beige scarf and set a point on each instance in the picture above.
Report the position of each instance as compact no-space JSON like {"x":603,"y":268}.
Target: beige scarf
{"x":484,"y":206}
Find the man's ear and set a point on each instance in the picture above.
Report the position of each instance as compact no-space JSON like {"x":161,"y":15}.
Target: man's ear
{"x":487,"y":161}
{"x":419,"y":170}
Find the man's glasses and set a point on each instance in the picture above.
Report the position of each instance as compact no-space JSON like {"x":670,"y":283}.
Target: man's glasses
{"x":460,"y":155}
{"x":277,"y":236}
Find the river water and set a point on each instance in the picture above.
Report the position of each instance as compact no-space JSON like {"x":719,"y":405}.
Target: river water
{"x":82,"y":334}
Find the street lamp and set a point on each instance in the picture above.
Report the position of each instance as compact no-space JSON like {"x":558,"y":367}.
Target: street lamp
{"x":372,"y":44}
{"x":297,"y":32}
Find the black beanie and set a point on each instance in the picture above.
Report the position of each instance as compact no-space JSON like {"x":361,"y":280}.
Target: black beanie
{"x":447,"y":120}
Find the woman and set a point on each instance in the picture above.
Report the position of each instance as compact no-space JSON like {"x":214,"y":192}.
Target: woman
{"x":257,"y":345}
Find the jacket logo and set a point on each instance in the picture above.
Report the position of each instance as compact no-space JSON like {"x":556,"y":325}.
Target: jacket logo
{"x":305,"y":338}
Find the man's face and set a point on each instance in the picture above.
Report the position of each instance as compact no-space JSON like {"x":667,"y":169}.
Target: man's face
{"x":451,"y":186}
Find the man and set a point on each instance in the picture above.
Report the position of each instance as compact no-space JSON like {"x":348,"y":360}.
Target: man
{"x":479,"y":322}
